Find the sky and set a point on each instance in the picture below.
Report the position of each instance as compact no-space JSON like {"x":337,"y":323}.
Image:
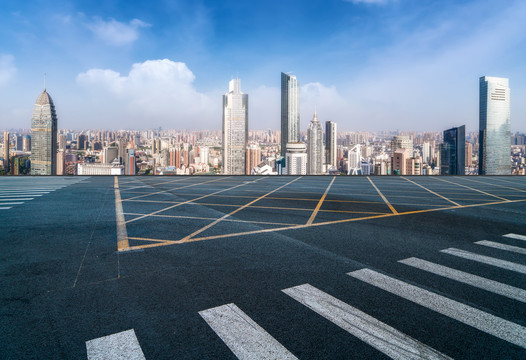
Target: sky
{"x":369,"y":65}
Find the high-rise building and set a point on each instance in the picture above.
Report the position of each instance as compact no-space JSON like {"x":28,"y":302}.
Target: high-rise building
{"x":109,"y":154}
{"x":290,"y":111}
{"x":469,"y":152}
{"x":235,"y":129}
{"x":81,"y":142}
{"x":44,"y":136}
{"x":296,"y":158}
{"x":62,"y":142}
{"x":253,"y":157}
{"x":19,"y":146}
{"x":6,"y":151}
{"x":26,"y":143}
{"x":494,"y":126}
{"x":315,"y":147}
{"x":331,"y":144}
{"x":61,"y":162}
{"x":131,"y":163}
{"x":453,"y":152}
{"x":354,"y":160}
{"x":402,"y":142}
{"x":399,"y":161}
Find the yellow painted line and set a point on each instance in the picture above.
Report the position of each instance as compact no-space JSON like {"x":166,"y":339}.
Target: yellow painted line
{"x":122,"y":235}
{"x":189,"y":201}
{"x":486,"y":183}
{"x":383,"y":197}
{"x":237,"y":210}
{"x":176,"y":188}
{"x":320,"y":203}
{"x":467,"y":187}
{"x":206,"y":218}
{"x":431,"y":191}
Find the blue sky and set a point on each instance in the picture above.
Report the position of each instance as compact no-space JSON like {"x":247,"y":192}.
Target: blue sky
{"x":366,"y":64}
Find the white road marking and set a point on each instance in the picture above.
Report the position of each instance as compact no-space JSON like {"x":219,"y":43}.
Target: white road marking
{"x":14,"y":195}
{"x":123,"y":345}
{"x":383,"y":337}
{"x":515,"y":236}
{"x":17,"y":199}
{"x":491,"y":324}
{"x":245,"y":338}
{"x":467,"y":278}
{"x":10,"y":203}
{"x":5,"y":208}
{"x":486,"y":260}
{"x":496,"y":245}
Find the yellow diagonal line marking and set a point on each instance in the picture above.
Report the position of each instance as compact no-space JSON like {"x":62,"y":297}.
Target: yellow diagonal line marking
{"x":431,"y":191}
{"x":175,"y":188}
{"x":122,"y":235}
{"x":486,"y":183}
{"x":315,"y":212}
{"x":208,"y":218}
{"x":237,"y":210}
{"x":383,"y":197}
{"x":467,"y":187}
{"x":189,"y":201}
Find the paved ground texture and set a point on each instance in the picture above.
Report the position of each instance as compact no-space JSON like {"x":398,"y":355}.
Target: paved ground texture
{"x":263,"y":267}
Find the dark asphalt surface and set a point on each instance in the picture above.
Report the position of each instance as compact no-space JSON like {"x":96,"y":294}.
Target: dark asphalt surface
{"x":63,"y":282}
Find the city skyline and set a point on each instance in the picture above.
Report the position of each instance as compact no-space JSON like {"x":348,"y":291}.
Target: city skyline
{"x":367,"y":65}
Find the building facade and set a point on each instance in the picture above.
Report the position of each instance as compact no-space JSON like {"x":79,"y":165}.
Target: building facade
{"x":6,"y":151}
{"x":494,"y":126}
{"x":44,"y":136}
{"x":253,"y":157}
{"x":315,"y":147}
{"x":290,"y":111}
{"x":235,"y":129}
{"x":296,"y":158}
{"x":331,"y":144}
{"x":453,"y":152}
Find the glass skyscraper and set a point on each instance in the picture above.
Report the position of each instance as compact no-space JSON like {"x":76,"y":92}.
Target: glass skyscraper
{"x":235,"y":129}
{"x":494,"y":126}
{"x":453,"y":151}
{"x":331,"y":156}
{"x":290,"y":111}
{"x":314,"y":147}
{"x":44,"y":136}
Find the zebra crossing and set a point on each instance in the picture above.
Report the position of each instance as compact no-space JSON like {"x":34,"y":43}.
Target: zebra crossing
{"x":17,"y":191}
{"x":248,"y":340}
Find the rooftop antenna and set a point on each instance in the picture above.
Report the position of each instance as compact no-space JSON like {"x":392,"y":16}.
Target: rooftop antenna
{"x":44,"y":81}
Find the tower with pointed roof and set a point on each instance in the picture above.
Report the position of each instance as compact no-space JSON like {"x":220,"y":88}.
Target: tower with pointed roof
{"x":235,"y":129}
{"x":44,"y":136}
{"x":314,"y":147}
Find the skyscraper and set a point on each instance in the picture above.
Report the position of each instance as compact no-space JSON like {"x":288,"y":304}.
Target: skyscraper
{"x":331,"y":157}
{"x":6,"y":151}
{"x":290,"y":111}
{"x":235,"y":129}
{"x":314,"y":147}
{"x":296,"y":158}
{"x":494,"y":126}
{"x":253,"y":157}
{"x":44,"y":136}
{"x":453,"y":152}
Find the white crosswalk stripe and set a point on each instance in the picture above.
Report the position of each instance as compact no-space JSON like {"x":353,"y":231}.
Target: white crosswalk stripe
{"x":244,"y":337}
{"x":496,"y":245}
{"x":486,"y":260}
{"x":123,"y":345}
{"x":467,"y":278}
{"x":17,"y":190}
{"x":491,"y":324}
{"x":383,"y":337}
{"x":515,"y":236}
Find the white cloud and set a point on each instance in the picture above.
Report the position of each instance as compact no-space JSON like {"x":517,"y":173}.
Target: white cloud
{"x":154,"y":93}
{"x":115,"y":32}
{"x":7,"y":68}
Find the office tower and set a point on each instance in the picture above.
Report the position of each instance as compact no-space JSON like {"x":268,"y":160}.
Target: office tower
{"x":402,"y":142}
{"x":354,"y":160}
{"x":469,"y":152}
{"x":175,"y":157}
{"x":315,"y":147}
{"x":331,"y":157}
{"x":62,"y":142}
{"x":61,"y":162}
{"x":453,"y":152}
{"x":44,"y":136}
{"x":296,"y":158}
{"x":122,"y":151}
{"x":399,"y":165}
{"x":235,"y":129}
{"x":426,"y":152}
{"x":6,"y":152}
{"x":27,"y":143}
{"x":109,"y":154}
{"x":81,"y":142}
{"x":253,"y":157}
{"x":131,"y":162}
{"x":204,"y":154}
{"x":290,"y":111}
{"x":19,"y":146}
{"x":494,"y":126}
